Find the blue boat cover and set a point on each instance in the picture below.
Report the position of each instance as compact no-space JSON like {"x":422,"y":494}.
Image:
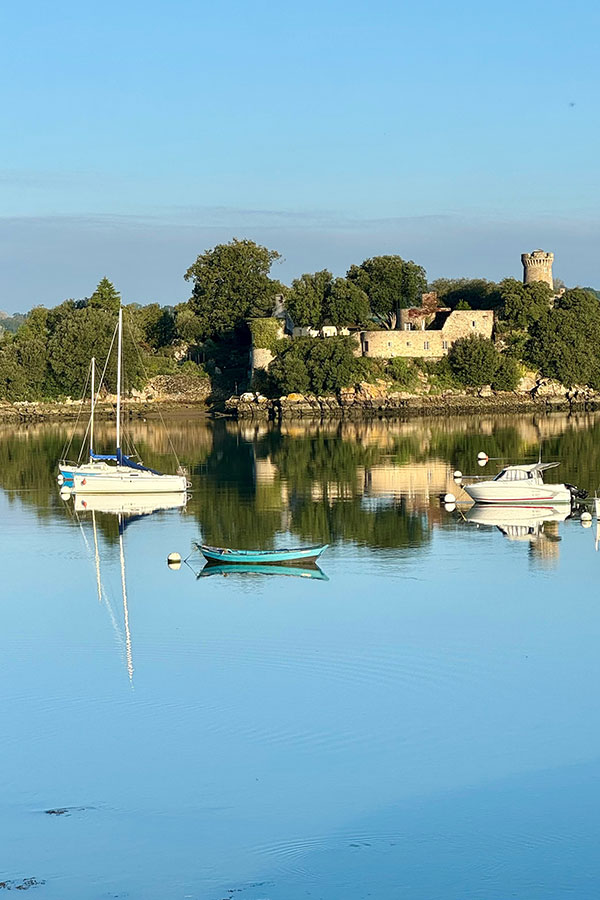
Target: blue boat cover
{"x":123,"y":460}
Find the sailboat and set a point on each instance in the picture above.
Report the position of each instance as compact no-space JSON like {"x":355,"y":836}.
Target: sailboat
{"x":94,"y":465}
{"x":127,"y":476}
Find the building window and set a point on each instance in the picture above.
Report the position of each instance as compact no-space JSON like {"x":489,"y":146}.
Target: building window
{"x":366,"y":346}
{"x":444,"y":345}
{"x":474,"y":324}
{"x":425,"y":345}
{"x":389,"y":343}
{"x":408,"y":343}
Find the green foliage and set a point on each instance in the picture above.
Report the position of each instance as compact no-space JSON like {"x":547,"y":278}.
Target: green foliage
{"x":402,"y":372}
{"x":318,"y":365}
{"x":462,"y":304}
{"x":476,"y":292}
{"x":156,"y":324}
{"x":507,"y":374}
{"x":524,"y":304}
{"x":564,"y":343}
{"x":305,"y":301}
{"x":346,"y":304}
{"x":265,"y":332}
{"x":390,"y":283}
{"x":473,"y":360}
{"x":231,"y":284}
{"x":105,"y":297}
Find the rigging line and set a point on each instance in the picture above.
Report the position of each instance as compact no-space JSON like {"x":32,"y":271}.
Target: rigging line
{"x":99,"y":386}
{"x":163,"y":423}
{"x":67,"y":445}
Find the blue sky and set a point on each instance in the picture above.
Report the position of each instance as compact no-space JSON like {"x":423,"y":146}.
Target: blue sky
{"x":134,"y":136}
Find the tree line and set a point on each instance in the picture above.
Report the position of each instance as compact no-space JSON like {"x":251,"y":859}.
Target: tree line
{"x":46,"y":353}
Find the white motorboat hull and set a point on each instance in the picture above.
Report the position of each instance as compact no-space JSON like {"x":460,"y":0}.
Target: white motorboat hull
{"x":129,"y":483}
{"x":520,"y":492}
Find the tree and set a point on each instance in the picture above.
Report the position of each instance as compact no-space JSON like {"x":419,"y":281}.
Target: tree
{"x":319,"y":365}
{"x":346,"y":304}
{"x":524,"y":304}
{"x":473,"y":360}
{"x":230,"y":284}
{"x":156,"y":324}
{"x":305,"y":300}
{"x":477,"y":292}
{"x":507,"y":374}
{"x":105,"y":296}
{"x":564,"y":342}
{"x":390,"y":283}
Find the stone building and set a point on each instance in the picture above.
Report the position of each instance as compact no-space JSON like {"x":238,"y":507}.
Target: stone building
{"x":537,"y":266}
{"x":428,"y":341}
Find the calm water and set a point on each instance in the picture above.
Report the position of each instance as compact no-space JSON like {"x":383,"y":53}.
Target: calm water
{"x":423,"y":724}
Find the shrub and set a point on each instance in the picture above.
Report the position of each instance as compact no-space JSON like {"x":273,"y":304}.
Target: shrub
{"x":474,"y":360}
{"x":318,"y":365}
{"x":508,"y":374}
{"x":401,"y":371}
{"x":265,"y":332}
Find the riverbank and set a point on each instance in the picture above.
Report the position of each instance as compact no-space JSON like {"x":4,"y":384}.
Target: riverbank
{"x":362,"y":401}
{"x":367,"y":400}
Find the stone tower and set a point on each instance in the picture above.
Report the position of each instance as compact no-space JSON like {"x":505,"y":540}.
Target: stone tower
{"x":537,"y":266}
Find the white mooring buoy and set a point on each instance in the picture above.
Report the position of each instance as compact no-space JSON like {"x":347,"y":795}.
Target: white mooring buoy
{"x":457,"y":475}
{"x":482,"y":455}
{"x":449,"y":498}
{"x":65,"y":493}
{"x":61,"y":479}
{"x":174,"y":561}
{"x":449,"y":507}
{"x":586,"y":519}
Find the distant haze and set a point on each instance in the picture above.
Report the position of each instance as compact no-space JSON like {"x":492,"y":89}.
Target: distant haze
{"x":146,"y":258}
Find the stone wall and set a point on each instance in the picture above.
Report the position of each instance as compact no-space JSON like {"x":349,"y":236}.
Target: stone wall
{"x":428,"y":344}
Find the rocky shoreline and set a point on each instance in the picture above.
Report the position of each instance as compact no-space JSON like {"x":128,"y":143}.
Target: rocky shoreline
{"x":364,"y":400}
{"x":367,"y":400}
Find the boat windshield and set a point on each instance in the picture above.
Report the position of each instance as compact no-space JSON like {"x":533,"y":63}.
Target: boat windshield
{"x":511,"y":474}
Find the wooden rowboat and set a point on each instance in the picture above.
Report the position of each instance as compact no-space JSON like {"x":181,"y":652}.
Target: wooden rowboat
{"x":227,"y":556}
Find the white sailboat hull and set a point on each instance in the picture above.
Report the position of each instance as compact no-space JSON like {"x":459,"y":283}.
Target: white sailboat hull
{"x":129,"y":504}
{"x":518,"y":492}
{"x":129,"y":483}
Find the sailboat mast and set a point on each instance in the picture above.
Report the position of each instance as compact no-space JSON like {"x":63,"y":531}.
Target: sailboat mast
{"x":92,"y":409}
{"x":119,"y":353}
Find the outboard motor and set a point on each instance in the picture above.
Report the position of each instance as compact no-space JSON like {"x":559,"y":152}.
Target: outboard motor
{"x":576,"y":493}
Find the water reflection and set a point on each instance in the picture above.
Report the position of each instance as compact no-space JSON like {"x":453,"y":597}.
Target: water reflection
{"x":423,"y":724}
{"x":538,"y":527}
{"x":374,"y":483}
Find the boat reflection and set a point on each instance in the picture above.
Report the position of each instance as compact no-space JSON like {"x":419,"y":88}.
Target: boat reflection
{"x":537,"y":526}
{"x":305,"y":571}
{"x":128,"y":504}
{"x":126,"y":508}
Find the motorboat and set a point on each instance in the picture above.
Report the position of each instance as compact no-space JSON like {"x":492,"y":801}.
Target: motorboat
{"x":523,"y":484}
